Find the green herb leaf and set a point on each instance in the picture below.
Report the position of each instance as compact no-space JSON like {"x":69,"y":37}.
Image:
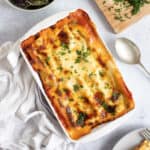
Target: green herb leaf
{"x":62,"y":53}
{"x":65,"y":49}
{"x":107,"y":86}
{"x":101,"y":73}
{"x":115,"y":95}
{"x":81,"y":119}
{"x":59,"y":68}
{"x":47,"y":59}
{"x":92,"y":74}
{"x":136,"y":4}
{"x":70,"y":99}
{"x":108,"y":108}
{"x":64,"y":46}
{"x":77,"y":60}
{"x":82,"y":55}
{"x":76,"y":87}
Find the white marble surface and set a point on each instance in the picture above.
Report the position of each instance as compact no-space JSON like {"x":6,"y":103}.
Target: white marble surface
{"x":14,"y":23}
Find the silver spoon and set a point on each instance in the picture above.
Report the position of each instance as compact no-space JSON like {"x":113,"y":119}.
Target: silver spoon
{"x":128,"y":52}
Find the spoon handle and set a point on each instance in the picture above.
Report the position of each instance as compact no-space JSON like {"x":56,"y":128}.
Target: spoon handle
{"x":144,"y":68}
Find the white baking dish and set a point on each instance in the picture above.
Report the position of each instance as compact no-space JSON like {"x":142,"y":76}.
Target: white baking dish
{"x":100,"y":130}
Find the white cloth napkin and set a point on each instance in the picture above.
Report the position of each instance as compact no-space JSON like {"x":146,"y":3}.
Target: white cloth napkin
{"x":24,"y":122}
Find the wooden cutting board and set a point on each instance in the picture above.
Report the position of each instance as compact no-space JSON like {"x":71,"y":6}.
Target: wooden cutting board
{"x":120,"y":17}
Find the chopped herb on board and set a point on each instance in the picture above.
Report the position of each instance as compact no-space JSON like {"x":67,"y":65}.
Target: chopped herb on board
{"x":119,"y":18}
{"x":137,"y":4}
{"x":120,"y":8}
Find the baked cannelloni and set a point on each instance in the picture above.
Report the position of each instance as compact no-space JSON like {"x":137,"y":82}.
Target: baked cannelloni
{"x":78,"y":74}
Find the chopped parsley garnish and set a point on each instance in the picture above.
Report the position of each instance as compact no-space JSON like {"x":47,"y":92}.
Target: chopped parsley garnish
{"x":82,"y":55}
{"x":78,"y":60}
{"x":70,"y":99}
{"x":101,"y":73}
{"x":77,"y":87}
{"x":65,"y":49}
{"x":80,"y":33}
{"x":107,"y":86}
{"x":47,"y":59}
{"x":81,"y":119}
{"x":108,"y":108}
{"x":115,"y":95}
{"x":64,"y":46}
{"x":59,"y":68}
{"x":92,"y":74}
{"x":62,"y":53}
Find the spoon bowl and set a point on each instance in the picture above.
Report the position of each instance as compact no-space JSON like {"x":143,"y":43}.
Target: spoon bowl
{"x":128,"y":52}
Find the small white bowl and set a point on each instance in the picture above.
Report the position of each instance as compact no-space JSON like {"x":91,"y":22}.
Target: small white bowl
{"x":27,"y":10}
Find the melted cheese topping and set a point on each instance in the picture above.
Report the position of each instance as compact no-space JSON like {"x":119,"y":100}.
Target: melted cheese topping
{"x":77,"y":74}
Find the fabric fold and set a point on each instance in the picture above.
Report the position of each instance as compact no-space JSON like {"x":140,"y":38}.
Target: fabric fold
{"x":25,"y":124}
